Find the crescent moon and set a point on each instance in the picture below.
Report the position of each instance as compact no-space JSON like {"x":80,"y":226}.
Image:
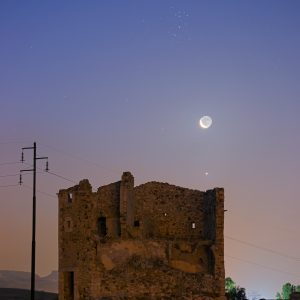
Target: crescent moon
{"x":205,"y":122}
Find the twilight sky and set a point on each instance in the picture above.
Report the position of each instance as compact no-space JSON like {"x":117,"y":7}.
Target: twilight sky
{"x":109,"y":86}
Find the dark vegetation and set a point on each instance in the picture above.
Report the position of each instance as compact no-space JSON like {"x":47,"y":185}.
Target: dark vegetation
{"x":286,"y":291}
{"x":233,"y":291}
{"x":20,"y":294}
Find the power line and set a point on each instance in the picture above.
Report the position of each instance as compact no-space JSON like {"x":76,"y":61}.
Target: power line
{"x":14,"y":175}
{"x":262,"y":266}
{"x":263,"y":248}
{"x":41,"y":192}
{"x":10,"y":163}
{"x":12,"y":140}
{"x":8,"y":185}
{"x":229,"y":256}
{"x":227,"y":237}
{"x":9,"y":175}
{"x":77,"y":157}
{"x":29,"y":187}
{"x":54,"y":174}
{"x":62,"y":177}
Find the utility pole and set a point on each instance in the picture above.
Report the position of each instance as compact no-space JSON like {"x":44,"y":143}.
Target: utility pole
{"x":35,"y":158}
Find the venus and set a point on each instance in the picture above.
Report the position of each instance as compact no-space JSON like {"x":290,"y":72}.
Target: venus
{"x":205,"y":122}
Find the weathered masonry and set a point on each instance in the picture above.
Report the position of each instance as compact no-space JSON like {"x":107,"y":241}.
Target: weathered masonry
{"x":153,"y":241}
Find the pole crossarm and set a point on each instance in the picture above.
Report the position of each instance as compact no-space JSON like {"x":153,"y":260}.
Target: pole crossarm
{"x":24,"y":148}
{"x":44,"y":157}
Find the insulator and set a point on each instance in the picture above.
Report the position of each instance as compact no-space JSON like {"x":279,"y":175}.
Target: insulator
{"x":20,"y":181}
{"x":47,"y":166}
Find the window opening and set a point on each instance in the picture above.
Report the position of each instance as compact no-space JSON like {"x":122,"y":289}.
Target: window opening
{"x":68,"y":224}
{"x":211,"y":261}
{"x":193,"y":225}
{"x":70,"y":198}
{"x":69,"y":285}
{"x":136,"y":223}
{"x":102,"y":229}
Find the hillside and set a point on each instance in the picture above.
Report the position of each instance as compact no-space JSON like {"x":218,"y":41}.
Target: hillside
{"x":21,"y":280}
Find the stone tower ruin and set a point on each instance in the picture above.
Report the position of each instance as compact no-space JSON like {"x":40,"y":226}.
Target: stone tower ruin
{"x":153,"y":241}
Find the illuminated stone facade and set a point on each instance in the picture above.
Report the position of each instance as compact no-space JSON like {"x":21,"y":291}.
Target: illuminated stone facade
{"x":153,"y":241}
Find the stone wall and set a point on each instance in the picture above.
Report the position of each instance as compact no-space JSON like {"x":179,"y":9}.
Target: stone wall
{"x":154,"y":241}
{"x":168,"y":211}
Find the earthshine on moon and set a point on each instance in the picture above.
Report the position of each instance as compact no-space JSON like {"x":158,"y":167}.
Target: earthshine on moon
{"x":205,"y":122}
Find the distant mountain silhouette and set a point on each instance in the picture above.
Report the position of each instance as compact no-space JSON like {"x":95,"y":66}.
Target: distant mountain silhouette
{"x":19,"y":294}
{"x":21,"y":280}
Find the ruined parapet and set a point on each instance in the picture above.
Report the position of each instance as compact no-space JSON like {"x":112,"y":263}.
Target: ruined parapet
{"x":108,"y":219}
{"x":127,"y":205}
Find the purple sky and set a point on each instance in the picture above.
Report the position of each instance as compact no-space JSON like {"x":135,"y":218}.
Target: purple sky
{"x":109,"y":86}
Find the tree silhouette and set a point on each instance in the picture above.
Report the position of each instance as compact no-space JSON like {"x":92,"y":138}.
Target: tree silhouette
{"x":286,"y":291}
{"x":233,"y":291}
